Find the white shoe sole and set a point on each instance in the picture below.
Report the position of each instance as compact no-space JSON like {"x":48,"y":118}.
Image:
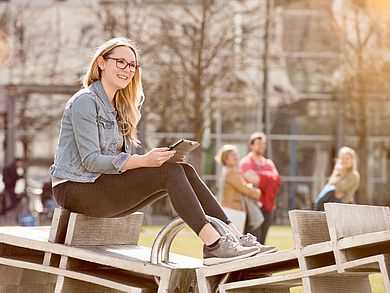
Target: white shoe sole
{"x":274,"y":249}
{"x":218,"y":260}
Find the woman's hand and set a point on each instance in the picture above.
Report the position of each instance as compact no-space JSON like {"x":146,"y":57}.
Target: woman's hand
{"x":181,"y":160}
{"x":337,"y":174}
{"x":157,"y":156}
{"x":258,"y":191}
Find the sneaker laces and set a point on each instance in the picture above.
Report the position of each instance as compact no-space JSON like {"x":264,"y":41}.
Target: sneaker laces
{"x":249,"y":238}
{"x":228,"y":241}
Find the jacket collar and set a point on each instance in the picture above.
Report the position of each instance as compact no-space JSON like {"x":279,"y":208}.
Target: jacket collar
{"x":98,"y":89}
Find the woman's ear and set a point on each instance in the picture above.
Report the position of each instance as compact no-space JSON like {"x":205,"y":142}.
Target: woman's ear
{"x":100,"y":62}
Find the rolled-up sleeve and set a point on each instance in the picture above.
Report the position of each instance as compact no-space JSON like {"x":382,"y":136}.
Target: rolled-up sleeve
{"x":83,"y":114}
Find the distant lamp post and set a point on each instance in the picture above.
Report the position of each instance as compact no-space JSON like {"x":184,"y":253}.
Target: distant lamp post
{"x":265,"y":115}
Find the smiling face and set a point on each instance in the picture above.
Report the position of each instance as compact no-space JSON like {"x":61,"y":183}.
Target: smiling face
{"x":231,"y":159}
{"x":111,"y":75}
{"x":346,"y":160}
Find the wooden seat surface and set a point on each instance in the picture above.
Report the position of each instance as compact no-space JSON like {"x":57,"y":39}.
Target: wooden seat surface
{"x":36,"y":238}
{"x":119,"y":267}
{"x":284,"y":259}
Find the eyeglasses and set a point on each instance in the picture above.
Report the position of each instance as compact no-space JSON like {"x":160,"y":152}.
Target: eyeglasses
{"x":122,"y":64}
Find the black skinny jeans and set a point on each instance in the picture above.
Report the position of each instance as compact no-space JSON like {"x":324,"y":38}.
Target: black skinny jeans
{"x":121,"y":194}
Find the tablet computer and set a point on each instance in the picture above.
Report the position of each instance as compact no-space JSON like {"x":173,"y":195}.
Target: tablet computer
{"x":182,"y":148}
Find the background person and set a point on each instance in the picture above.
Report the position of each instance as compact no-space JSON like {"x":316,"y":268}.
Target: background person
{"x":10,"y":177}
{"x":261,"y":172}
{"x":235,"y":189}
{"x":343,"y":182}
{"x":97,"y":173}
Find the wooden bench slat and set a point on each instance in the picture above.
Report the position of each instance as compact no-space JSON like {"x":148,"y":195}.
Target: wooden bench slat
{"x":89,"y":231}
{"x":88,"y":276}
{"x":345,"y":284}
{"x":250,"y":262}
{"x":364,"y":239}
{"x":308,"y":227}
{"x":318,"y":248}
{"x":351,"y":220}
{"x":287,"y":280}
{"x":83,"y":253}
{"x":312,"y":240}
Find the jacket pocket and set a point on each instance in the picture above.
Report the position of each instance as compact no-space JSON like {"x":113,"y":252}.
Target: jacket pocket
{"x":106,"y":131}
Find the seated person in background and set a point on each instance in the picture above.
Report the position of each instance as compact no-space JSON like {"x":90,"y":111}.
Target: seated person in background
{"x":10,"y":178}
{"x":234,"y":188}
{"x":48,"y":201}
{"x":343,"y":182}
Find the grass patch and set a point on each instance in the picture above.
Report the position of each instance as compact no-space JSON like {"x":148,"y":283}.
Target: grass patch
{"x":187,"y":243}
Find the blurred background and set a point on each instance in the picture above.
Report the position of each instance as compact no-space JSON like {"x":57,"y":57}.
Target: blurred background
{"x":313,"y":75}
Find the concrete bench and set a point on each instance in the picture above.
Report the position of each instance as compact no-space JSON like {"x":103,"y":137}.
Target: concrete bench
{"x":358,"y":230}
{"x":361,"y":237}
{"x":253,"y":269}
{"x":355,"y":234}
{"x":97,"y":255}
{"x":85,"y":254}
{"x":284,"y":282}
{"x":208,"y":278}
{"x":315,"y":253}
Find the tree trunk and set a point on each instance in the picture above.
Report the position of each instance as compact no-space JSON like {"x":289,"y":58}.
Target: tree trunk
{"x":198,"y":131}
{"x":362,"y":146}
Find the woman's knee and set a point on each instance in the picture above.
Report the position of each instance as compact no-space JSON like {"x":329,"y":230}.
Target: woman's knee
{"x":173,"y":169}
{"x":188,"y":168}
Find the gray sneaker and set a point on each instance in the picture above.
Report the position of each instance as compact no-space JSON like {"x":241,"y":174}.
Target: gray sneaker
{"x":248,"y":240}
{"x":226,"y":250}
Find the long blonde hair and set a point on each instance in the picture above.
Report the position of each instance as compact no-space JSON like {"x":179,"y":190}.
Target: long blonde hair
{"x":221,"y":158}
{"x":224,"y":152}
{"x":127,"y":101}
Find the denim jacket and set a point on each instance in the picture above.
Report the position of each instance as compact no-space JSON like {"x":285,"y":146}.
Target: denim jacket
{"x":88,"y":138}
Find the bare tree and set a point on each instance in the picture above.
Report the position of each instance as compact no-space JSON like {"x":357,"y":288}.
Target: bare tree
{"x":128,"y":18}
{"x":357,"y":27}
{"x":190,"y":57}
{"x":34,"y":60}
{"x":193,"y":65}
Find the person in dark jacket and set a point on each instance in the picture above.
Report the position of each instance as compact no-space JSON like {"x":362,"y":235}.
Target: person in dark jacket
{"x":10,"y":177}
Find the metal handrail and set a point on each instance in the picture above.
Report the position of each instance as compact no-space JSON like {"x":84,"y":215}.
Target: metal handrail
{"x":163,"y":241}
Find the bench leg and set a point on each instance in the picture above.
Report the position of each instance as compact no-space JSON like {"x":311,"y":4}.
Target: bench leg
{"x":206,"y":284}
{"x":385,"y":272}
{"x":177,"y":280}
